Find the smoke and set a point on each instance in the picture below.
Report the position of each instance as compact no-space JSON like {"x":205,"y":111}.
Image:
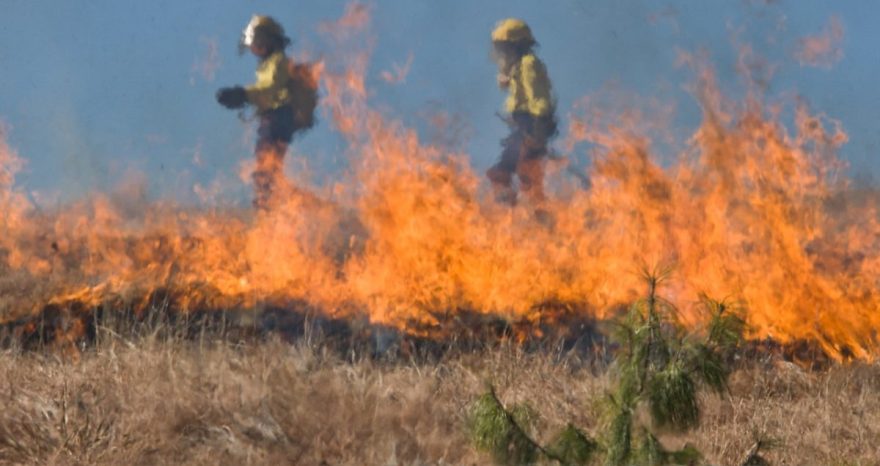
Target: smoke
{"x":667,"y":15}
{"x":824,"y":49}
{"x":10,"y":162}
{"x":450,"y":131}
{"x":207,"y":64}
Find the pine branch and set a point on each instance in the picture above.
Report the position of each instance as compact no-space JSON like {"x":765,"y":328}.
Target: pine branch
{"x":521,"y":431}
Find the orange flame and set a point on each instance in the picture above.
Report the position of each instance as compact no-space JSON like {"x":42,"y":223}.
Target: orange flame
{"x":749,"y":210}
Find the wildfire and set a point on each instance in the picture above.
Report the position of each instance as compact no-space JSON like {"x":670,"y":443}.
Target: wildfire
{"x":751,"y":210}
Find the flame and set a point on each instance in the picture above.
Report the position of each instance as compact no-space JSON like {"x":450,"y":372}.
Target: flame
{"x":749,"y":210}
{"x":398,"y":72}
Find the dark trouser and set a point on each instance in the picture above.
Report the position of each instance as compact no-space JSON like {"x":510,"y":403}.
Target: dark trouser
{"x":523,"y":153}
{"x":273,"y":136}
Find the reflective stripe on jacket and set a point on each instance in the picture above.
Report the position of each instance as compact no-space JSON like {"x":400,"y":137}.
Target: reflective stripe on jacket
{"x":271,"y":90}
{"x":529,"y":87}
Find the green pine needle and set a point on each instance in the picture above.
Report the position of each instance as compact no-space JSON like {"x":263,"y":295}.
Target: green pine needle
{"x":650,"y":452}
{"x":656,"y":363}
{"x":672,"y":397}
{"x":686,"y":456}
{"x":573,"y":447}
{"x":496,"y":431}
{"x":709,"y":367}
{"x":726,"y":326}
{"x":619,"y":444}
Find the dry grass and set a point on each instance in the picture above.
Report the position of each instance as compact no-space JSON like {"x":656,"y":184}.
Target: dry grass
{"x":155,"y":402}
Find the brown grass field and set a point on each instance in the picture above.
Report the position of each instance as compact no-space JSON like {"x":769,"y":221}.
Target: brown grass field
{"x":158,"y":400}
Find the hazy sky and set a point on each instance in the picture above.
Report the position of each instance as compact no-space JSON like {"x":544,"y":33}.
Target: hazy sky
{"x":94,"y":90}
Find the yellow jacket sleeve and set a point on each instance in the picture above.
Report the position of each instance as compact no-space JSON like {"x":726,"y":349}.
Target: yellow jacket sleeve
{"x":536,"y":86}
{"x":270,"y":91}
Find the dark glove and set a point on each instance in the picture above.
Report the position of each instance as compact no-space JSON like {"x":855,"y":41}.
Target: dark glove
{"x":232,"y":97}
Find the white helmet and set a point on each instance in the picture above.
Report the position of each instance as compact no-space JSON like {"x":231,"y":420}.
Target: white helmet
{"x":261,"y":28}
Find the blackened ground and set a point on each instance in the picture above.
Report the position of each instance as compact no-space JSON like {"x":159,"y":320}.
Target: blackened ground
{"x":72,"y":326}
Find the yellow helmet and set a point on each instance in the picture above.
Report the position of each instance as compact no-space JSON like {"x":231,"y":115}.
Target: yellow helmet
{"x":512,"y":30}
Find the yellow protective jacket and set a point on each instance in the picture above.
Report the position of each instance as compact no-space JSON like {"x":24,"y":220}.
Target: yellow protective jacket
{"x":272,"y":89}
{"x":529,"y":88}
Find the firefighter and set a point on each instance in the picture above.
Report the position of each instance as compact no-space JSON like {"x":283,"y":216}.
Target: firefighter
{"x":530,"y":112}
{"x":272,"y":97}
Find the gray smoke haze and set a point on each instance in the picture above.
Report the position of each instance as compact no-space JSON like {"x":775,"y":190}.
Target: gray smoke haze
{"x":94,"y":91}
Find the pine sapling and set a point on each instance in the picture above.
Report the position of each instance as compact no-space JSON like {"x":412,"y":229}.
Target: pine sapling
{"x":662,"y":367}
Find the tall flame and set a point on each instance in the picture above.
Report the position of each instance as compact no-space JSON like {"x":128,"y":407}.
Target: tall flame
{"x":749,"y":210}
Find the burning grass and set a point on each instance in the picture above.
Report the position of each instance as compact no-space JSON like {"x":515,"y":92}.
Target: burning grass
{"x":188,"y":335}
{"x":68,"y":328}
{"x":754,"y":206}
{"x":157,"y":398}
